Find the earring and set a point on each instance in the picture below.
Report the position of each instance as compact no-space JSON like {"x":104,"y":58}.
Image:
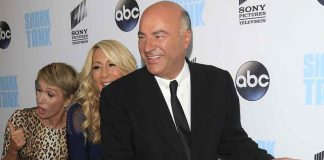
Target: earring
{"x":66,"y":108}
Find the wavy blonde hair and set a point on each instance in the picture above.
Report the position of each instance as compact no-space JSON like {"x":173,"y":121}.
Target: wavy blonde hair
{"x":88,"y":94}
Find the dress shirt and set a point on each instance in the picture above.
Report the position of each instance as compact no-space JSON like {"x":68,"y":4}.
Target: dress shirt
{"x":183,"y":91}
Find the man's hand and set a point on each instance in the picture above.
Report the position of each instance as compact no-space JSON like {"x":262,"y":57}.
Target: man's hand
{"x":17,"y":138}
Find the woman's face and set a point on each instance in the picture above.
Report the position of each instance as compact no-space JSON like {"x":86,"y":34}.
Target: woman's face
{"x":103,"y":71}
{"x":50,"y":101}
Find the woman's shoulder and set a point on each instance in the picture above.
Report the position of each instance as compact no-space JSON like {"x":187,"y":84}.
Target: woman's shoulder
{"x":74,"y":106}
{"x":24,"y":111}
{"x":21,"y":117}
{"x":75,"y":109}
{"x":75,"y":118}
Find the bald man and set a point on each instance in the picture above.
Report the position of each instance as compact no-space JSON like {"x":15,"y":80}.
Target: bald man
{"x":172,"y":109}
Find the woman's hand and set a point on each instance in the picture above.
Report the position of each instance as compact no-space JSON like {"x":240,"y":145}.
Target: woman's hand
{"x":17,"y":138}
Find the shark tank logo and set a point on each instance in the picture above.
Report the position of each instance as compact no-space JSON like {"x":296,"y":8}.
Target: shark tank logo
{"x":8,"y":92}
{"x":195,"y":10}
{"x":38,"y":27}
{"x":314,"y":79}
{"x":251,"y":14}
{"x":269,"y":146}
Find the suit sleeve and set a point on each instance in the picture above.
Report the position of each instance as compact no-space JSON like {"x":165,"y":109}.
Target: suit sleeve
{"x":235,"y":143}
{"x":116,"y":137}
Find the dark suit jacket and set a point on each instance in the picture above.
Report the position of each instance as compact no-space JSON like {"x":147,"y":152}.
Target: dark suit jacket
{"x":136,"y":123}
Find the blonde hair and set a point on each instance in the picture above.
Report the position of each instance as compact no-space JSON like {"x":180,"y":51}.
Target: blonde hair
{"x":61,"y":75}
{"x":88,"y":94}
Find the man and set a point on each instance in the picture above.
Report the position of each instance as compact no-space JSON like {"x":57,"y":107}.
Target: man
{"x":141,"y":119}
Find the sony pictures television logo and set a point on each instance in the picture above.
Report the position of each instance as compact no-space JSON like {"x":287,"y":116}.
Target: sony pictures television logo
{"x":319,"y":156}
{"x":252,"y":80}
{"x":5,"y":35}
{"x":251,"y":14}
{"x":241,"y":1}
{"x":79,"y":13}
{"x":127,"y":14}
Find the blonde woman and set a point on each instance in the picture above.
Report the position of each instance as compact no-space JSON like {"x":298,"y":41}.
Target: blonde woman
{"x":39,"y":132}
{"x":107,"y":61}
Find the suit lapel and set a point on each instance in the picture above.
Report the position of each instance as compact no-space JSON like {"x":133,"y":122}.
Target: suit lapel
{"x":200,"y":110}
{"x":154,"y":103}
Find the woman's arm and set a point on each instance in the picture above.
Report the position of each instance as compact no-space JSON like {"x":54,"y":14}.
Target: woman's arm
{"x":16,"y":139}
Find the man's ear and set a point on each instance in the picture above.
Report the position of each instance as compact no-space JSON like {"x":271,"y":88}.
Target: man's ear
{"x":187,"y":37}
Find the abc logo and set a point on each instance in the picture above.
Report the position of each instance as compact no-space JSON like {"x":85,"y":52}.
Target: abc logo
{"x":321,"y":2}
{"x":127,"y":14}
{"x":5,"y":35}
{"x":252,"y":80}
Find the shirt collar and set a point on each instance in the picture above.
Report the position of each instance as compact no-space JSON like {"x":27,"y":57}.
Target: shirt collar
{"x":184,"y":73}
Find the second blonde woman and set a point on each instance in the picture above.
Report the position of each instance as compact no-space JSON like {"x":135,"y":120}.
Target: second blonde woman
{"x":107,"y":61}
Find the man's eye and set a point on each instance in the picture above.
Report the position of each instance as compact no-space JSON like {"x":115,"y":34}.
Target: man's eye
{"x":141,"y":36}
{"x":159,"y":36}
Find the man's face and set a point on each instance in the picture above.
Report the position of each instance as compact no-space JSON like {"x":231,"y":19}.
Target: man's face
{"x":160,"y":42}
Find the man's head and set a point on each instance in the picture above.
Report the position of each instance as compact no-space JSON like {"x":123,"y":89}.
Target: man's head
{"x":163,"y":37}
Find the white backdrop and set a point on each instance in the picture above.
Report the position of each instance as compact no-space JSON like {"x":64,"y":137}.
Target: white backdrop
{"x":285,"y":36}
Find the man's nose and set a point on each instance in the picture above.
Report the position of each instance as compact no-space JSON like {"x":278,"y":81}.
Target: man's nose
{"x":149,"y":45}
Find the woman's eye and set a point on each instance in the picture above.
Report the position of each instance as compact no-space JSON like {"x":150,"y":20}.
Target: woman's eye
{"x":96,"y":67}
{"x":50,"y":94}
{"x":111,"y":65}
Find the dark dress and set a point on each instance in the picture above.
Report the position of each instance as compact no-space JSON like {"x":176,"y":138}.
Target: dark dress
{"x":78,"y":147}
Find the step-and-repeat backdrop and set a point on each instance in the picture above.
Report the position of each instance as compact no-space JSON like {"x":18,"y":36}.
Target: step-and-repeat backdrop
{"x":274,"y":51}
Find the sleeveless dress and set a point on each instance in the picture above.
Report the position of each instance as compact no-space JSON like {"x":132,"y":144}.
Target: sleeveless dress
{"x":78,"y":147}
